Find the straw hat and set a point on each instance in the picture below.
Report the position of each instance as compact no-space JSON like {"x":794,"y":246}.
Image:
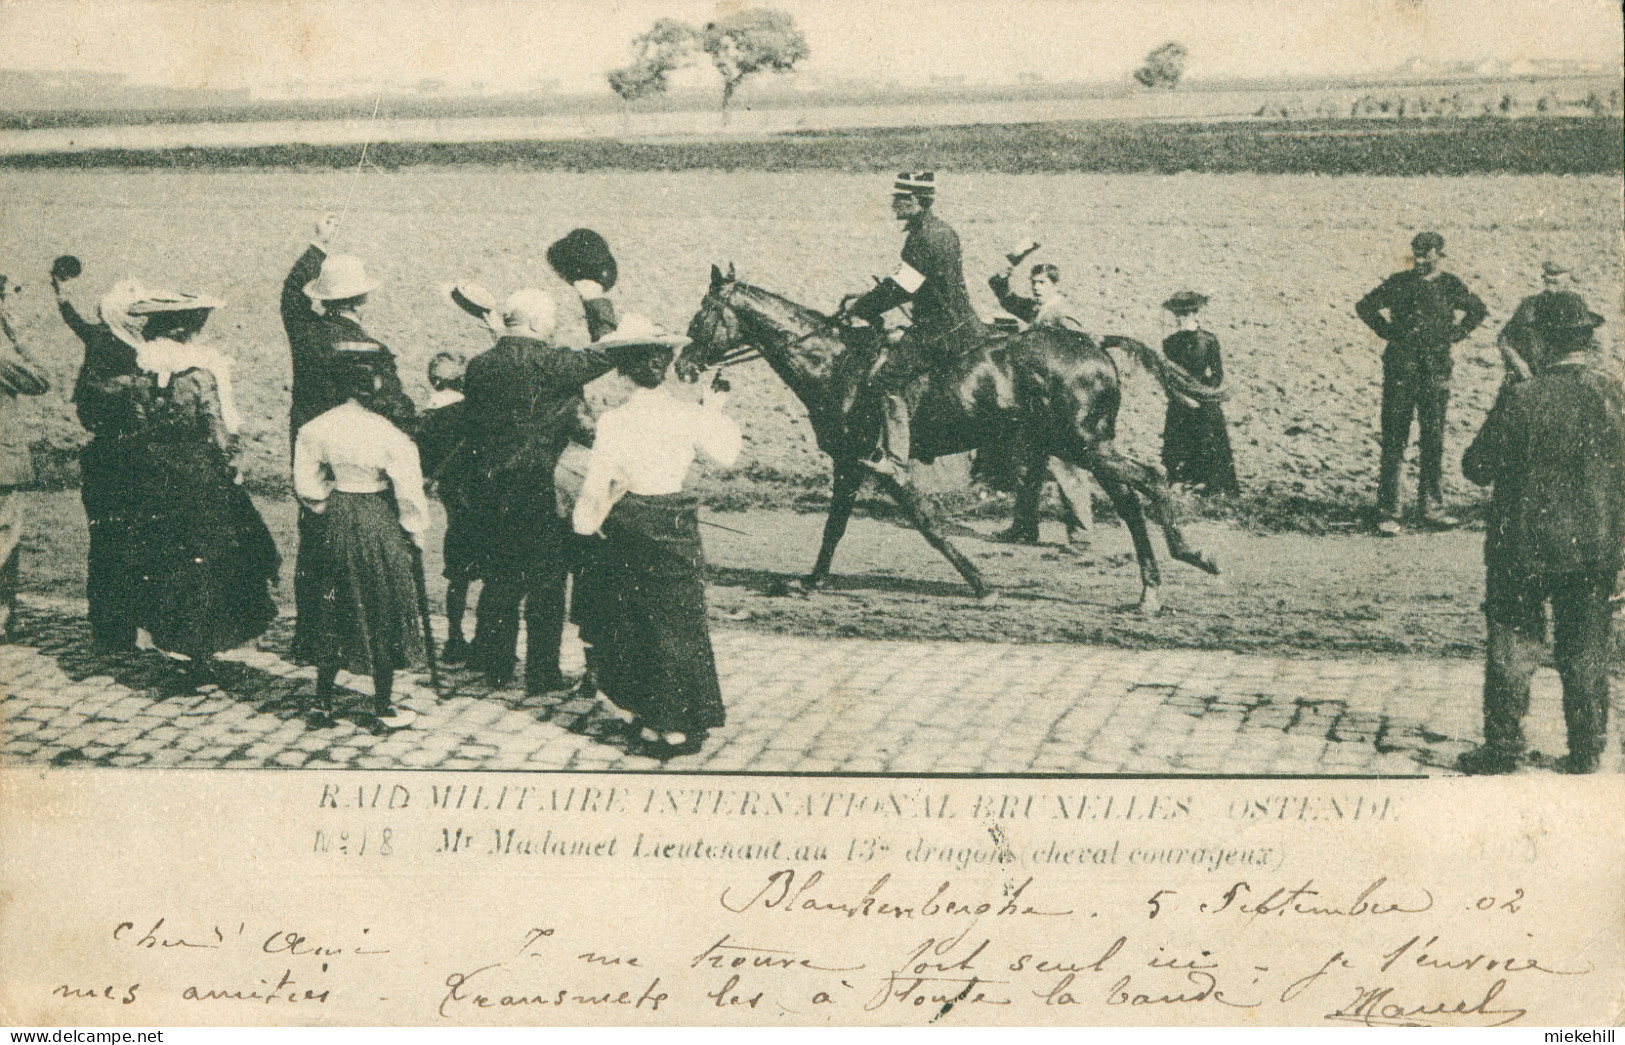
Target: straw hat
{"x":173,"y":301}
{"x":636,"y":331}
{"x":342,"y":276}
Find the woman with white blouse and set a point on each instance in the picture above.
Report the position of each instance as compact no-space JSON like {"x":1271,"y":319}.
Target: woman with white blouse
{"x":640,"y":600}
{"x":361,"y":475}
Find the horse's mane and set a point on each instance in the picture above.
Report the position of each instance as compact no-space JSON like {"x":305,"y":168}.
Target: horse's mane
{"x":809,"y":317}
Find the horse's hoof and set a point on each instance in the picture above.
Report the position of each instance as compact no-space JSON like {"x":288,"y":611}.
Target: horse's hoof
{"x":1207,"y":564}
{"x":987,"y":598}
{"x":1150,"y":604}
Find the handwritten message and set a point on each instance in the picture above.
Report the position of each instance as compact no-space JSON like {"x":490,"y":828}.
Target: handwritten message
{"x":511,"y":904}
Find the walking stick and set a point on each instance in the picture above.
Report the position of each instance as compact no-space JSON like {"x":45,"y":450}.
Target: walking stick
{"x":423,"y":615}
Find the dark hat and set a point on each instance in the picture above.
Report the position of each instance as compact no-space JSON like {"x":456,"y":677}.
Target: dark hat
{"x":921,"y":186}
{"x":1551,"y":269}
{"x":1565,"y":313}
{"x":1185,"y":302}
{"x":583,"y":254}
{"x":1423,"y":242}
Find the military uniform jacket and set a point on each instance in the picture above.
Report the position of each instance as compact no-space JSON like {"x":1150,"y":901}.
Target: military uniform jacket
{"x":932,"y":276}
{"x":1421,"y":324}
{"x":1554,"y":447}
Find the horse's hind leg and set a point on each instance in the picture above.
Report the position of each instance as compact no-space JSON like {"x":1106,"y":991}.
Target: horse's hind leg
{"x":1148,"y":483}
{"x":1128,"y":508}
{"x":1075,"y":500}
{"x":848,"y":478}
{"x":909,"y":501}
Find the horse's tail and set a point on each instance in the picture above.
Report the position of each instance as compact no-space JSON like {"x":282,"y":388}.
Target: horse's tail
{"x":1175,"y":379}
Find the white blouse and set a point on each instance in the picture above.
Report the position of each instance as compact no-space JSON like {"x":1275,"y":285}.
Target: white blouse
{"x":646,"y":447}
{"x":353,"y":450}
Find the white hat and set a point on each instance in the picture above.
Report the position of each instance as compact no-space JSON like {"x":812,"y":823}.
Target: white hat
{"x":342,"y":276}
{"x":474,"y":300}
{"x":530,"y":309}
{"x":634,"y":330}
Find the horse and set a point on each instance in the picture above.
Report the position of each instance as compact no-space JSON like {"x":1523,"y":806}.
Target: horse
{"x":1044,"y":393}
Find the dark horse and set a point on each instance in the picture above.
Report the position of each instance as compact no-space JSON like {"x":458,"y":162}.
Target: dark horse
{"x":1040,"y":394}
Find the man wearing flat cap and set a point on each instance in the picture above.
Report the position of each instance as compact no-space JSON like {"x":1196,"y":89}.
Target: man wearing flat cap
{"x":1420,"y":312}
{"x":932,"y":277}
{"x":1523,"y":340}
{"x":1554,"y":449}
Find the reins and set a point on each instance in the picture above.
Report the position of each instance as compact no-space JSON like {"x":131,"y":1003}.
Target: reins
{"x":749,"y":353}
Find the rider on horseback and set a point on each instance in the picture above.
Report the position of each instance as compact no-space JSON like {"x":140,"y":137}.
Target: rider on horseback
{"x":944,"y":323}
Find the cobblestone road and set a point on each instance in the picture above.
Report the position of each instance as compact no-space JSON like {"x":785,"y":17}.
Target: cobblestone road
{"x":795,"y":705}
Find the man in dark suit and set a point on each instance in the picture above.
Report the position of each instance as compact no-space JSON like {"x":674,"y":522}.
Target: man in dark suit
{"x":522,"y":403}
{"x":932,"y":278}
{"x":1554,"y":448}
{"x":1523,"y":340}
{"x":1420,"y":312}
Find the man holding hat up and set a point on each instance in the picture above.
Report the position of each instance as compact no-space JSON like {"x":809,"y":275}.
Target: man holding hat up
{"x":932,"y":277}
{"x":1554,"y":448}
{"x":322,"y":299}
{"x":1420,"y":312}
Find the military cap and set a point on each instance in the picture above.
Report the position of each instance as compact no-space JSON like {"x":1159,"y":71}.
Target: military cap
{"x":1423,"y":242}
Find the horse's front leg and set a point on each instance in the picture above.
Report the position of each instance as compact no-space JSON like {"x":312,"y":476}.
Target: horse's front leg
{"x":909,"y":501}
{"x":848,"y":479}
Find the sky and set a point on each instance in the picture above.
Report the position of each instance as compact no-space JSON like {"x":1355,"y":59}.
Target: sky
{"x":519,"y":43}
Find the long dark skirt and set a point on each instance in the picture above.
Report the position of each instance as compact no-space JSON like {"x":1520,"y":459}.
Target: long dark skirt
{"x":204,"y":557}
{"x":367,"y":615}
{"x":640,"y":600}
{"x":107,"y":488}
{"x":1196,"y":448}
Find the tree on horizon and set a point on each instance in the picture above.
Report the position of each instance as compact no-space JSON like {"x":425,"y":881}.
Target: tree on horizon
{"x":739,"y":45}
{"x":1163,"y":67}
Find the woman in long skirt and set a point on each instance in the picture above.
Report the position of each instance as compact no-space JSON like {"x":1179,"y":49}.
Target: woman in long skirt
{"x":1195,"y":442}
{"x":362,"y":477}
{"x":205,"y":559}
{"x":641,"y":602}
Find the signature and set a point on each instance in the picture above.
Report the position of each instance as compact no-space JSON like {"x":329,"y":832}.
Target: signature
{"x":1378,"y":1007}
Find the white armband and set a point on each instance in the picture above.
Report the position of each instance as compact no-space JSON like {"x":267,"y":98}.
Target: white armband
{"x":908,"y":277}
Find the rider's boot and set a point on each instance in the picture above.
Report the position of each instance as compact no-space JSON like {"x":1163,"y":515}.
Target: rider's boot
{"x":892,"y":459}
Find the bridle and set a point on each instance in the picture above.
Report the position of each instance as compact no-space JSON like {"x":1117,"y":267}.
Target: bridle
{"x":746,"y":353}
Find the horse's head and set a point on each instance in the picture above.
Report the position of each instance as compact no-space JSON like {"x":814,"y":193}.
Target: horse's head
{"x":714,"y":330}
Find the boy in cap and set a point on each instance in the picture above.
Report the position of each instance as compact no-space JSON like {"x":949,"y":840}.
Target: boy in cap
{"x":441,"y":443}
{"x":1554,"y":449}
{"x":1048,"y":305}
{"x":1420,"y":312}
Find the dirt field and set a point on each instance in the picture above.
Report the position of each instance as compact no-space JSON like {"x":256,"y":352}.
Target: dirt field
{"x":1284,"y":258}
{"x":1342,"y":594}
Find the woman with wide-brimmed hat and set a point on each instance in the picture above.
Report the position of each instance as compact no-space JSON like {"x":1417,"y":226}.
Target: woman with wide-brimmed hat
{"x":204,"y":557}
{"x":362,"y":477}
{"x":641,"y":601}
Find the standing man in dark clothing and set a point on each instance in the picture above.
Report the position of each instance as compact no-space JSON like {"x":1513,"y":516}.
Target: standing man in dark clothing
{"x":322,"y":300}
{"x":521,"y":405}
{"x":104,"y":397}
{"x":1427,"y":311}
{"x":1554,"y":448}
{"x":932,"y":277}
